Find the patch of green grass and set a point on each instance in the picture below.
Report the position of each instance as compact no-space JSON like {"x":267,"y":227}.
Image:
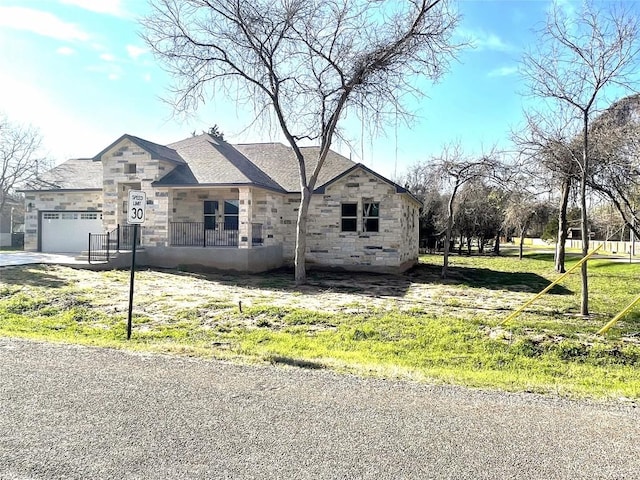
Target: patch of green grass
{"x":451,"y":335}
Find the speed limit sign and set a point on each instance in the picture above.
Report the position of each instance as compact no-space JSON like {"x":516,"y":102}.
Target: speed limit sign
{"x":136,"y":210}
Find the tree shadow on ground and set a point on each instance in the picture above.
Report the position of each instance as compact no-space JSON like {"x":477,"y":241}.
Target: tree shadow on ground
{"x":485,"y":278}
{"x":35,"y":275}
{"x":383,"y":285}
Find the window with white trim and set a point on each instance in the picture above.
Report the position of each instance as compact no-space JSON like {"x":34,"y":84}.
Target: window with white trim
{"x":210,"y":211}
{"x":231,"y":213}
{"x":371,"y":217}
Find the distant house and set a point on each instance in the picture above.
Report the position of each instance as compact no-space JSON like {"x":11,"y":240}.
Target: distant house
{"x":213,"y":204}
{"x":11,"y":221}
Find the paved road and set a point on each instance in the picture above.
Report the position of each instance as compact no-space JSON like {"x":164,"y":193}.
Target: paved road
{"x":87,"y":413}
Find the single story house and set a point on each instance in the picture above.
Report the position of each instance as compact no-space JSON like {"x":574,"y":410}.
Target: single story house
{"x":213,"y":204}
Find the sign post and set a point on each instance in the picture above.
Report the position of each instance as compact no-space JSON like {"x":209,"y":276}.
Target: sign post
{"x":135,"y":216}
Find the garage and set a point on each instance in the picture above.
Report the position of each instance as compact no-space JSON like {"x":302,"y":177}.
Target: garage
{"x":68,"y":232}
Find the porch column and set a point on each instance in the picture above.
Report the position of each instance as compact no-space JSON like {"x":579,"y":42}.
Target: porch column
{"x":245,"y":216}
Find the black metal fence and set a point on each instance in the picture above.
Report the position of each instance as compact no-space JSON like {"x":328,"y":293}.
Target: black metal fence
{"x":193,"y":234}
{"x":103,"y":245}
{"x":99,"y":250}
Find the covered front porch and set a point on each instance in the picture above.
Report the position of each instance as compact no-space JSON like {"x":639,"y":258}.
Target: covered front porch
{"x":207,"y":216}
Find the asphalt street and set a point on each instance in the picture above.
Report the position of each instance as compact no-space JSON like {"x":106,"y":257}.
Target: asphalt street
{"x":90,"y":413}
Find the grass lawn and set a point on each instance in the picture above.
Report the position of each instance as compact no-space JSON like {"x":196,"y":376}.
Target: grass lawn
{"x":411,"y":326}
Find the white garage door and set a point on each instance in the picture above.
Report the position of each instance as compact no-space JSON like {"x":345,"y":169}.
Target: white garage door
{"x":68,"y":232}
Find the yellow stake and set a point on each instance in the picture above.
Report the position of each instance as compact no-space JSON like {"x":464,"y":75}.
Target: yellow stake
{"x":613,"y":321}
{"x":518,"y":311}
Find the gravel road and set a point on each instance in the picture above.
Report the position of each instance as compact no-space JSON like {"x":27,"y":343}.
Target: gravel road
{"x":88,"y":413}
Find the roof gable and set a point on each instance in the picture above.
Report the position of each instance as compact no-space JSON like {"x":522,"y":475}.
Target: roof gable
{"x":322,"y":188}
{"x":157,"y":152}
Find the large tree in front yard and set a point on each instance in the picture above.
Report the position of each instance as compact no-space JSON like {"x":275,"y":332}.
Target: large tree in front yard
{"x":578,"y":57}
{"x":305,"y":64}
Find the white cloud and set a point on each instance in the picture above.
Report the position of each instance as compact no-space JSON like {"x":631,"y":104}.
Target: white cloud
{"x":481,"y":40}
{"x":503,"y":72}
{"x":111,"y":70}
{"x":134,"y":52}
{"x":566,"y":6}
{"x":65,"y":51}
{"x":146,"y":77}
{"x":108,"y":7}
{"x":107,"y":57}
{"x":41,"y":23}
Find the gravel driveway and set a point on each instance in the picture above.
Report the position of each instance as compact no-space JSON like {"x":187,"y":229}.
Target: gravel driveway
{"x":76,"y":412}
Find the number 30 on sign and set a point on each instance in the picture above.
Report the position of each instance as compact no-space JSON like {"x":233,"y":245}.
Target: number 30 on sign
{"x":137,"y":207}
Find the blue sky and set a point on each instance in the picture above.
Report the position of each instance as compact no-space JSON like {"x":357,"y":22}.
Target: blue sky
{"x":78,"y":71}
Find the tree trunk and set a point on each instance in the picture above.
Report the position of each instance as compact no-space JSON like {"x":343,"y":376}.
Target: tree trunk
{"x":301,"y":238}
{"x":522,"y":232}
{"x":447,"y":241}
{"x":584,"y":303}
{"x":563,"y":229}
{"x":496,"y":245}
{"x":447,"y":236}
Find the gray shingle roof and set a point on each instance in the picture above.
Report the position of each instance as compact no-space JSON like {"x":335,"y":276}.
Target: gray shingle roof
{"x":74,"y":174}
{"x":281,"y":164}
{"x":212,"y":161}
{"x":206,"y":160}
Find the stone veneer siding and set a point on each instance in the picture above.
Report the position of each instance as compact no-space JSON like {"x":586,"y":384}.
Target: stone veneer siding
{"x":117,"y":183}
{"x":394,"y":246}
{"x":68,"y":200}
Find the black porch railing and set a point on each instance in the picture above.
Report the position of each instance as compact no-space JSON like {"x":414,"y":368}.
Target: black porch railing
{"x":193,"y":234}
{"x":102,"y":246}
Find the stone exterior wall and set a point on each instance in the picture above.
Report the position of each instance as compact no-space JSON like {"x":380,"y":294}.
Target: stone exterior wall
{"x":268,"y":211}
{"x":118,"y":181}
{"x":77,"y":200}
{"x":393,"y":247}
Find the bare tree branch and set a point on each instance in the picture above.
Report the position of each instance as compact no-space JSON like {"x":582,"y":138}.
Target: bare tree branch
{"x":307,"y":63}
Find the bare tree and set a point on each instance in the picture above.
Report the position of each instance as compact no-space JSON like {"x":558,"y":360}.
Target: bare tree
{"x":547,"y":146}
{"x":521,"y":210}
{"x":576,"y":59}
{"x":304,"y":63}
{"x":615,"y":171}
{"x":455,"y":169}
{"x":19,"y":157}
{"x":421,"y":181}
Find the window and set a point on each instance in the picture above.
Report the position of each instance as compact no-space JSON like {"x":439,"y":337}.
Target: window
{"x":129,"y":168}
{"x":125,"y":205}
{"x":349,"y":217}
{"x":371,"y":217}
{"x":231,"y":211}
{"x":210,"y":209}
